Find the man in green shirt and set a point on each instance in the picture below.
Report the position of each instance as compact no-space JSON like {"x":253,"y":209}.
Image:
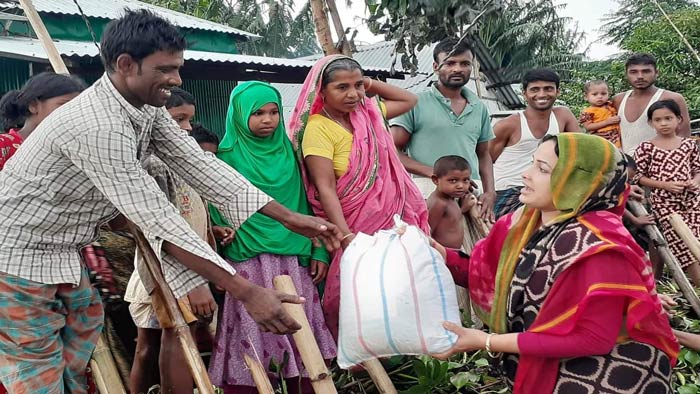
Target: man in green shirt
{"x":449,"y":119}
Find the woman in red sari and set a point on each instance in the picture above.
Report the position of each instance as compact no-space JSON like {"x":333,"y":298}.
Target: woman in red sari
{"x":352,"y":172}
{"x":567,"y":293}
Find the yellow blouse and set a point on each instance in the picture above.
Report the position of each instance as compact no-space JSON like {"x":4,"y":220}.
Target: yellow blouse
{"x":326,"y":138}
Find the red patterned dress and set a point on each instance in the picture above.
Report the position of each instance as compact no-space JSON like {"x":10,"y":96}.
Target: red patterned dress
{"x":680,"y":164}
{"x":9,"y":143}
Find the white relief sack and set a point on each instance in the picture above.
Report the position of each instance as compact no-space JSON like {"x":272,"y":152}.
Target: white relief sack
{"x":395,"y":293}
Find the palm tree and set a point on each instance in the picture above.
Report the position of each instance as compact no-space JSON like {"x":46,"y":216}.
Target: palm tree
{"x":282,"y":33}
{"x":527,"y":34}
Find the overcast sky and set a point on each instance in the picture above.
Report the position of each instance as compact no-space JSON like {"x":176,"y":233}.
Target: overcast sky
{"x":587,"y":13}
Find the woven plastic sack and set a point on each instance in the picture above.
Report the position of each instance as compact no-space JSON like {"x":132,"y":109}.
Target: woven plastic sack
{"x":395,"y":292}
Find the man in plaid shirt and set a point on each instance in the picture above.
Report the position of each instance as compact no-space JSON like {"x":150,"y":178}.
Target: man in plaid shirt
{"x":82,"y":166}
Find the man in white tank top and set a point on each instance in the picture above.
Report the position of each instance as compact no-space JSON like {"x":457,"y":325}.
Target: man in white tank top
{"x":518,"y":136}
{"x":632,"y":105}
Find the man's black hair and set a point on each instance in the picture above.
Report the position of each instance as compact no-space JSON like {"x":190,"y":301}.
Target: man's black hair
{"x":202,"y":135}
{"x":640,"y":59}
{"x":449,"y":163}
{"x":445,"y":46}
{"x":179,"y":97}
{"x":540,"y":74}
{"x":138,"y":33}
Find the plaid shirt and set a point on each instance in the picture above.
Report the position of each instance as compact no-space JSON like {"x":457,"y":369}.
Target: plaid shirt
{"x":83,"y":164}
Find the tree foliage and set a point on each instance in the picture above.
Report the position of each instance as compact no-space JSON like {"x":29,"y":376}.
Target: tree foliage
{"x":282,"y":33}
{"x":679,"y":70}
{"x":632,"y":13}
{"x":518,"y":34}
{"x":528,"y":34}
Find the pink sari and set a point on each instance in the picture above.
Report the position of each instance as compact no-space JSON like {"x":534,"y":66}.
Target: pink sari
{"x":375,"y":186}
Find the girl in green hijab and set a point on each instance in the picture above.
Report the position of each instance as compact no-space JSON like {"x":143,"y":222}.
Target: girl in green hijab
{"x":256,"y":145}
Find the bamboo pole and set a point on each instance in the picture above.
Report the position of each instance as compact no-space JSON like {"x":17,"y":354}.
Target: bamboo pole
{"x":673,"y":265}
{"x":104,"y":370}
{"x":162,"y":293}
{"x":682,"y":36}
{"x":379,"y":376}
{"x":305,"y":341}
{"x":38,"y":26}
{"x":683,"y":231}
{"x":262,"y":382}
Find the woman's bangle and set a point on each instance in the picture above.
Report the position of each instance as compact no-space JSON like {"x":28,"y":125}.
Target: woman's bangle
{"x":346,"y":236}
{"x":370,"y":83}
{"x":488,"y":344}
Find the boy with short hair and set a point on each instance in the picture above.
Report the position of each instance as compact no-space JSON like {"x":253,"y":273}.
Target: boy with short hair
{"x":601,"y":117}
{"x":452,"y":178}
{"x":157,"y":345}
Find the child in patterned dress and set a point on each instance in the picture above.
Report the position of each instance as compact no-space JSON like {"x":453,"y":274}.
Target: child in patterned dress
{"x":670,"y":166}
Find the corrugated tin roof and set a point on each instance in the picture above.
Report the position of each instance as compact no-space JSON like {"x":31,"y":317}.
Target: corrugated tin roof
{"x":113,"y":9}
{"x":31,"y":49}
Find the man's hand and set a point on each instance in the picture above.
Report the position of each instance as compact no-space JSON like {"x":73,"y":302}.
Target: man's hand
{"x":202,"y":303}
{"x":223,"y":234}
{"x":318,"y":271}
{"x":486,"y":203}
{"x":265,"y":307}
{"x":315,"y":228}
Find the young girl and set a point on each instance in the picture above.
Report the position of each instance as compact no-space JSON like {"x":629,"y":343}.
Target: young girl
{"x":670,"y":166}
{"x":256,"y":145}
{"x":22,"y":110}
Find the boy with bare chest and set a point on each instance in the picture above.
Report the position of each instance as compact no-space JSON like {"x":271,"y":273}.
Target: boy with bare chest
{"x":452,"y":178}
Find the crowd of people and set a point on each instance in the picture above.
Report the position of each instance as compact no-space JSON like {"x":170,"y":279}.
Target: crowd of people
{"x":565,"y":289}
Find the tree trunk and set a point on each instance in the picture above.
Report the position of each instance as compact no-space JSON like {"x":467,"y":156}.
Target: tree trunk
{"x":343,"y":42}
{"x":323,"y":31}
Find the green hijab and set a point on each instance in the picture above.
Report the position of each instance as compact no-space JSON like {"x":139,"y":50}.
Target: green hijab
{"x":269,"y":164}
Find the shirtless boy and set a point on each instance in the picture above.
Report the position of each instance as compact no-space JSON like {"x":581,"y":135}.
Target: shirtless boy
{"x":632,"y":105}
{"x":452,"y":178}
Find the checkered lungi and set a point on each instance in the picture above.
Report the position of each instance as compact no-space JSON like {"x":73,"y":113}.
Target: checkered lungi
{"x":507,"y":201}
{"x":47,"y":335}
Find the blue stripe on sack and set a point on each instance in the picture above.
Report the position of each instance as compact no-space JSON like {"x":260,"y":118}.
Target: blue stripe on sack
{"x":385,"y":307}
{"x":443,"y":300}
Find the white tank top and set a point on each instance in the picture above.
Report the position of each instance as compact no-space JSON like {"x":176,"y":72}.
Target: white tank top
{"x":515,"y":159}
{"x":634,"y":133}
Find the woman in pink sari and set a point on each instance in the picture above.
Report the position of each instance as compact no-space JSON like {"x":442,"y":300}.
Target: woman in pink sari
{"x":351,"y":169}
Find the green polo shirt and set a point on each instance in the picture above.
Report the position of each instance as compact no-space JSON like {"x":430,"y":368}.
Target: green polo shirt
{"x":436,"y":131}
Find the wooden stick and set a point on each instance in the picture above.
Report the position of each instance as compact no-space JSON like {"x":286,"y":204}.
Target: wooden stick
{"x":165,"y":295}
{"x":379,"y":377}
{"x":38,"y":25}
{"x":104,"y":370}
{"x":683,"y":231}
{"x":262,"y":382}
{"x":673,"y":265}
{"x":305,"y":341}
